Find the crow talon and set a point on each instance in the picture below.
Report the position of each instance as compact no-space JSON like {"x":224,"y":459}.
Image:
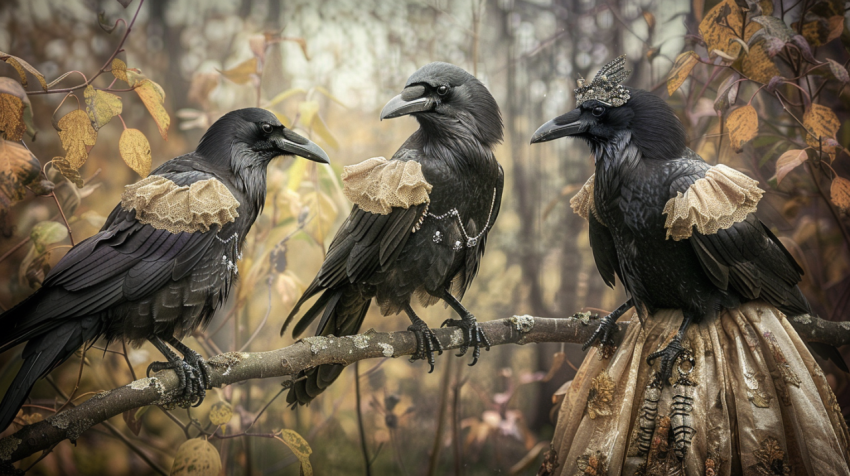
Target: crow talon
{"x":473,"y":337}
{"x":426,"y":344}
{"x":604,"y":333}
{"x":668,"y":357}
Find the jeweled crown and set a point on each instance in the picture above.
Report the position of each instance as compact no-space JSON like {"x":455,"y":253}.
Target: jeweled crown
{"x":606,"y":87}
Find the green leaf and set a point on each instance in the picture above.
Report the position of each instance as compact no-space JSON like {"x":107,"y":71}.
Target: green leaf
{"x":46,"y":233}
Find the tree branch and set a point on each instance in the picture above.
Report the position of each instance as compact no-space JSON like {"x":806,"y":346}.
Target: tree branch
{"x":233,"y":367}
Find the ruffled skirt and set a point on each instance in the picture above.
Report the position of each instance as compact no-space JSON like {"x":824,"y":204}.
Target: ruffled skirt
{"x":746,"y":397}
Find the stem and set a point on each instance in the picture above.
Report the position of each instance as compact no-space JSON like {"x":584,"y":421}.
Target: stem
{"x":62,"y":214}
{"x":360,"y":419}
{"x":127,"y":359}
{"x":441,"y":417}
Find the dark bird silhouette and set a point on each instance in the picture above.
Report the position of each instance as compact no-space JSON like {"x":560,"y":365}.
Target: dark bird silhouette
{"x":667,"y":224}
{"x":429,"y":246}
{"x":162,"y":264}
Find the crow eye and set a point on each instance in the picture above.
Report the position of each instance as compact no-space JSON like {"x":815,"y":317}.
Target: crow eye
{"x":598,"y":111}
{"x":267,"y":128}
{"x":442,"y":90}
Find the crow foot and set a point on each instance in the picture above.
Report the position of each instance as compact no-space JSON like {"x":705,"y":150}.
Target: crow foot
{"x":198,"y":364}
{"x":668,"y":356}
{"x":426,"y":343}
{"x":604,"y":334}
{"x":472,"y":336}
{"x":191,"y":383}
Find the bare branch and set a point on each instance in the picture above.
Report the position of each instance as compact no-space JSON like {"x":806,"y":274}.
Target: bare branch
{"x":233,"y":367}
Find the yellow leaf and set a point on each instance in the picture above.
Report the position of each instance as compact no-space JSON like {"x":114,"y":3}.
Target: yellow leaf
{"x":153,"y":96}
{"x":22,"y":66}
{"x":101,"y":106}
{"x":241,"y":73}
{"x":18,"y":168}
{"x":300,"y":448}
{"x":12,"y":117}
{"x":296,"y":174}
{"x":757,"y":64}
{"x":69,"y":172}
{"x":196,"y":457}
{"x":722,"y":25}
{"x":308,"y":110}
{"x":284,"y":96}
{"x":78,"y":137}
{"x":323,"y":212}
{"x":320,"y":128}
{"x":682,"y":67}
{"x":324,"y":92}
{"x":743,"y":124}
{"x":136,"y":151}
{"x":822,"y":123}
{"x":220,"y":413}
{"x":119,"y":70}
{"x":839,"y":191}
{"x":788,"y":162}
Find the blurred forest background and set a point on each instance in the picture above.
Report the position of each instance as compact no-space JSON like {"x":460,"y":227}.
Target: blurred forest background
{"x":327,"y":68}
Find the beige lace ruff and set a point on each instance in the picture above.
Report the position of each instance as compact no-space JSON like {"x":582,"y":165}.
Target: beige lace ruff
{"x":377,"y":185}
{"x":164,"y":205}
{"x":752,"y":401}
{"x":582,"y":203}
{"x":717,"y":201}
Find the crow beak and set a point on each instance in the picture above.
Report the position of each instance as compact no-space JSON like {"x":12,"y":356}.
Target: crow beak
{"x":569,"y":124}
{"x":294,"y":144}
{"x":408,"y":102}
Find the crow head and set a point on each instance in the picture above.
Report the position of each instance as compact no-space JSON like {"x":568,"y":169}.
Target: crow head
{"x":446,"y":99}
{"x":252,"y":137}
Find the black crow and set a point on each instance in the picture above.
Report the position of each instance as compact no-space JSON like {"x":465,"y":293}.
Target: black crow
{"x":419,"y":223}
{"x":661,"y":220}
{"x":164,"y":261}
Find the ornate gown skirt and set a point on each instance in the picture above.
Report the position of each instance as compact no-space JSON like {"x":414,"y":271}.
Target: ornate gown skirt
{"x":746,"y":397}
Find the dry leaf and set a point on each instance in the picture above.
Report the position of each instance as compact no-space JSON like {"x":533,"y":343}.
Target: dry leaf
{"x":727,"y":93}
{"x":196,"y":457}
{"x":743,"y":124}
{"x":119,"y":70}
{"x":220,"y":413}
{"x":23,"y":67}
{"x":838,"y":70}
{"x":12,"y":117}
{"x":18,"y":168}
{"x":822,"y":124}
{"x":78,"y":137}
{"x":839,"y":191}
{"x":300,"y":448}
{"x":788,"y":162}
{"x":153,"y":96}
{"x":101,"y":106}
{"x":136,"y":151}
{"x":757,"y":64}
{"x":46,"y":233}
{"x":201,"y":87}
{"x":650,"y":19}
{"x":133,"y":423}
{"x":720,"y":25}
{"x":682,"y":67}
{"x":68,"y":171}
{"x":243,"y":72}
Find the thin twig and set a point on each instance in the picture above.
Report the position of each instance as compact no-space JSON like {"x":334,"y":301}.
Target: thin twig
{"x":64,"y":219}
{"x":363,"y":447}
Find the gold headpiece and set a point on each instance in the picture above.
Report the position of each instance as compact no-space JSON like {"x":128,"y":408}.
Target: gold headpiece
{"x":606,"y":87}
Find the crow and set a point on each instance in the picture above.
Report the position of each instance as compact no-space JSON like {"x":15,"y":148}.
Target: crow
{"x":644,"y":171}
{"x":429,"y":245}
{"x":163,"y":262}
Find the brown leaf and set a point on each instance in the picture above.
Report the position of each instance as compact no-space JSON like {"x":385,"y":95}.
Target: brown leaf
{"x":101,"y":106}
{"x":78,"y":137}
{"x":136,"y":151}
{"x":788,"y":162}
{"x":838,"y":70}
{"x":722,"y":25}
{"x":23,"y":67}
{"x":743,"y":124}
{"x":822,"y":123}
{"x":133,"y":424}
{"x":68,"y":171}
{"x":201,"y":87}
{"x":839,"y":192}
{"x":243,"y":72}
{"x":727,"y":93}
{"x":119,"y":70}
{"x":682,"y":67}
{"x":650,"y":19}
{"x":196,"y":457}
{"x":153,"y":96}
{"x":12,"y":117}
{"x":757,"y":64}
{"x":18,"y":168}
{"x":820,"y":31}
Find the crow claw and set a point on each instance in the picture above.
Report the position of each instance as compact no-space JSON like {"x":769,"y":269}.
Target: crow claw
{"x":668,"y":356}
{"x":604,"y":333}
{"x":472,"y":337}
{"x":426,"y":344}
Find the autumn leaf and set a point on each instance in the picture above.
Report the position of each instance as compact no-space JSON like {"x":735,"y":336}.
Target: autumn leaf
{"x":68,"y":171}
{"x":788,"y":162}
{"x":78,"y":137}
{"x":136,"y":151}
{"x":22,"y":67}
{"x":46,"y":233}
{"x":821,"y":123}
{"x":649,"y":18}
{"x":300,"y":448}
{"x":727,"y":93}
{"x":682,"y":67}
{"x":309,"y":111}
{"x":743,"y":126}
{"x":201,"y":87}
{"x":720,"y":26}
{"x":15,"y":110}
{"x":821,"y":31}
{"x":243,"y":72}
{"x":18,"y":168}
{"x":101,"y":106}
{"x":772,"y":28}
{"x":758,"y":66}
{"x":220,"y":414}
{"x":196,"y":457}
{"x":839,"y":192}
{"x":838,"y":70}
{"x":119,"y":70}
{"x":285,"y":95}
{"x":153,"y":97}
